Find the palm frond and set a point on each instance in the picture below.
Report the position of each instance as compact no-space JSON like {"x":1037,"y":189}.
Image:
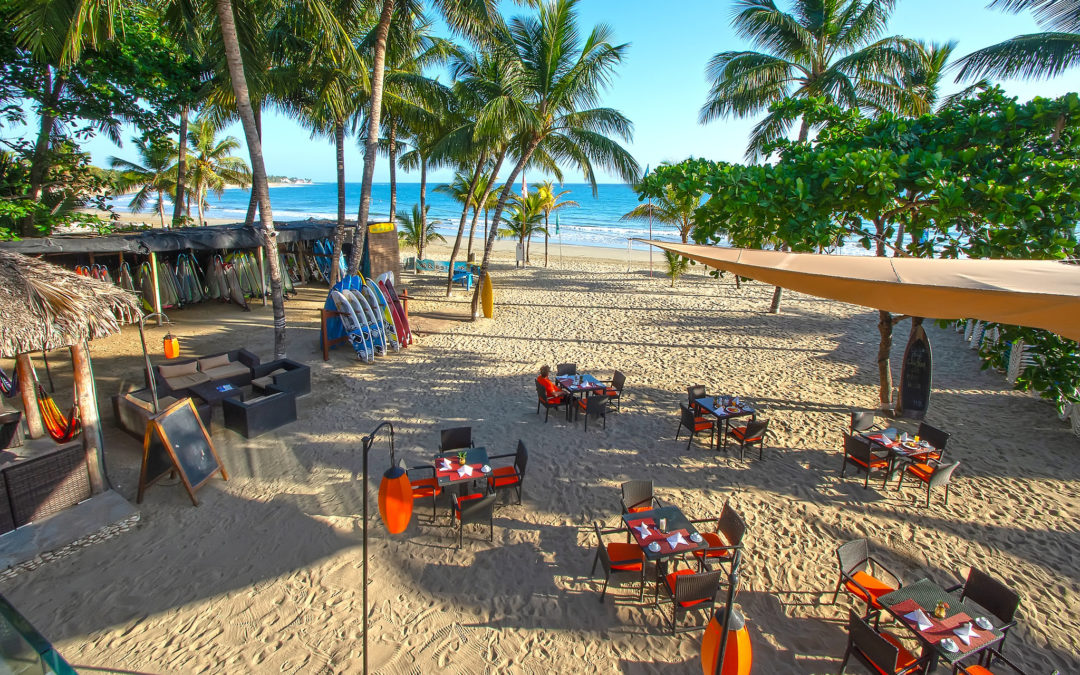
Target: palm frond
{"x":1057,"y":15}
{"x":1033,"y":56}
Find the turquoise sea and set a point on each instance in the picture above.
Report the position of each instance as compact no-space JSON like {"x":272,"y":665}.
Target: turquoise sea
{"x":595,"y":222}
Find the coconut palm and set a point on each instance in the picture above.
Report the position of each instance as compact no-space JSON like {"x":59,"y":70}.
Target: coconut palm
{"x":526,"y":218}
{"x":213,"y":164}
{"x":822,"y":48}
{"x":1036,"y":55}
{"x":413,"y":231}
{"x":156,"y":175}
{"x":673,"y":208}
{"x":923,"y":78}
{"x":551,"y":203}
{"x":559,"y":75}
{"x":676,"y":266}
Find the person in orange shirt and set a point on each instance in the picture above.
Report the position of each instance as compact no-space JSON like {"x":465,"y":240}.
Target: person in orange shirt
{"x":554,"y":394}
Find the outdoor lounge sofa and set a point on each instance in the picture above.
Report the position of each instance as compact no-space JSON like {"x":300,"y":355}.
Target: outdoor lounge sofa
{"x":233,"y":367}
{"x":131,"y":411}
{"x":261,"y":414}
{"x":283,"y":374}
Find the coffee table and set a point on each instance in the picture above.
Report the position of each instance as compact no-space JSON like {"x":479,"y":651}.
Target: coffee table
{"x":214,"y":393}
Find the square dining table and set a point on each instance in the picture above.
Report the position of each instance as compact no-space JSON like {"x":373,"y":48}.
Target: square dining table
{"x":452,"y":472}
{"x":899,"y":452}
{"x":925,"y":595}
{"x":724,"y":409}
{"x":583,"y":384}
{"x":641,"y":522}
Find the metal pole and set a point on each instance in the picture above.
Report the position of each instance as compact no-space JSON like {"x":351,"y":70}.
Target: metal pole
{"x":367,"y":442}
{"x":650,"y":236}
{"x":733,"y":581}
{"x":146,"y":355}
{"x":157,"y":285}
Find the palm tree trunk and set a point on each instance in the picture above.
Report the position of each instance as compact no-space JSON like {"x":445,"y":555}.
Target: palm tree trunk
{"x":181,"y":168}
{"x":503,"y":196}
{"x":483,"y":199}
{"x":778,"y":292}
{"x":885,"y":330}
{"x":339,"y":228}
{"x":392,"y":122}
{"x":258,"y":169}
{"x":371,"y":143}
{"x":39,"y":162}
{"x":161,"y":207}
{"x":461,"y":223}
{"x":423,"y":211}
{"x":199,"y":205}
{"x":249,"y":219}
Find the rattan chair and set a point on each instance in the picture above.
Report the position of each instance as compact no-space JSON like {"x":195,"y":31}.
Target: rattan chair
{"x":475,"y":508}
{"x":993,"y":596}
{"x":725,"y":541}
{"x":935,"y":437}
{"x":425,"y":488}
{"x":992,"y":658}
{"x":693,"y":424}
{"x":860,"y":574}
{"x":565,"y":369}
{"x":594,"y":407}
{"x":862,"y":420}
{"x":637,"y":495}
{"x":513,"y":476}
{"x":618,"y":558}
{"x":879,"y":652}
{"x":693,"y":393}
{"x":859,"y":453}
{"x":614,"y":392}
{"x":455,"y":439}
{"x":549,"y":402}
{"x":932,"y":474}
{"x":751,"y":434}
{"x":691,"y":591}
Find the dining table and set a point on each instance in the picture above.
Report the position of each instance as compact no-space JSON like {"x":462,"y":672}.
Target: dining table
{"x":450,"y":471}
{"x":582,"y":384}
{"x":725,"y":409}
{"x":941,"y":638}
{"x":901,"y":449}
{"x":663,"y":533}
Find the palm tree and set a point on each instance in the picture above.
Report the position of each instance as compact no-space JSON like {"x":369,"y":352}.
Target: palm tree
{"x":213,"y":166}
{"x":156,"y":175}
{"x":923,"y":78}
{"x":558,"y":77}
{"x":413,"y":232}
{"x":526,"y":215}
{"x":551,"y":203}
{"x":1036,"y":55}
{"x":670,"y":209}
{"x":823,"y":48}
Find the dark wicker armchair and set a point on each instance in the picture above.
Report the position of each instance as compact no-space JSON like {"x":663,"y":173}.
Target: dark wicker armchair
{"x":860,"y":574}
{"x":879,"y":652}
{"x":859,"y":453}
{"x":455,"y":439}
{"x":725,"y":542}
{"x":637,"y":495}
{"x":478,"y":508}
{"x":693,"y":424}
{"x":510,"y":477}
{"x":691,"y":591}
{"x":618,"y":558}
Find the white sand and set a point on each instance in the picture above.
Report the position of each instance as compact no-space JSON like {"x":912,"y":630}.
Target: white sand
{"x":264,"y":576}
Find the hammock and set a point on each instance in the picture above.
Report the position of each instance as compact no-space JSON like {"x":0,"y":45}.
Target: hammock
{"x":61,"y":429}
{"x":9,"y":385}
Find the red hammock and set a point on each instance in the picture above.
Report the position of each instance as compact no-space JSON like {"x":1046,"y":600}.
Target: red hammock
{"x":61,"y":429}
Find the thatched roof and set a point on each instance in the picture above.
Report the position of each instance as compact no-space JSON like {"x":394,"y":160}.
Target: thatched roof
{"x":43,"y":306}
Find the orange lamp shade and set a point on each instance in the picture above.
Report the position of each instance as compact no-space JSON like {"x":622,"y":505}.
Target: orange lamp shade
{"x":395,"y":499}
{"x":172,"y":347}
{"x":737,"y":653}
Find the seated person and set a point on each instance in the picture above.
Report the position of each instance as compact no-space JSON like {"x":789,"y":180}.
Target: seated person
{"x":554,"y":394}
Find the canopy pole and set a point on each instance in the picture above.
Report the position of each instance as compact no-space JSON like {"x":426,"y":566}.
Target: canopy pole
{"x":29,"y":395}
{"x":262,"y":273}
{"x":157,"y":286}
{"x":88,"y":410}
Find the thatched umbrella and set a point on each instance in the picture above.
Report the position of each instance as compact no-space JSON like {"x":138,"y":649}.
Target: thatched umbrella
{"x":45,"y":307}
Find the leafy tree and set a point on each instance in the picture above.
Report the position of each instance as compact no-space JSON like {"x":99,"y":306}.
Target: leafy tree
{"x":213,"y":166}
{"x":676,"y":266}
{"x":156,"y":175}
{"x":1036,"y":55}
{"x":413,"y":232}
{"x":672,"y":207}
{"x":526,"y":218}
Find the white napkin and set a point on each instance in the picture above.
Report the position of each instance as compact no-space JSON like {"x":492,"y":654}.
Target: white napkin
{"x":676,"y":539}
{"x":445,"y":464}
{"x":965,"y":633}
{"x":919,"y":618}
{"x":465,"y":470}
{"x":643,"y":529}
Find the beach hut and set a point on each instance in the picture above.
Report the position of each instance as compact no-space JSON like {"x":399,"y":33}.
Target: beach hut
{"x":45,"y":307}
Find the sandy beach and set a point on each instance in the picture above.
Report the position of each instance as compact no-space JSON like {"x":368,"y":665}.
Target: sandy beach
{"x":264,"y":576}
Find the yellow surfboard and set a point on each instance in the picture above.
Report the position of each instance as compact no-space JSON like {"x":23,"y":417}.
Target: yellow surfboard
{"x":487,"y":296}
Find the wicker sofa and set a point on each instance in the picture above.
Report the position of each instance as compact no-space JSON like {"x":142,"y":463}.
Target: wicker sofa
{"x":261,"y":414}
{"x":131,"y":411}
{"x":233,"y":367}
{"x":283,"y":374}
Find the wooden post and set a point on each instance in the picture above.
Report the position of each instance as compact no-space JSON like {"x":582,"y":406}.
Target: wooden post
{"x":29,"y":396}
{"x":91,"y":424}
{"x":262,"y":273}
{"x":157,"y":287}
{"x":303,"y":262}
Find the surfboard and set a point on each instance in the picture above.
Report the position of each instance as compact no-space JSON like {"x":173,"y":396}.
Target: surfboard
{"x":367,"y":317}
{"x":487,"y":296}
{"x":359,"y":340}
{"x":378,"y":303}
{"x":322,"y":261}
{"x":374,"y":312}
{"x":402,"y":321}
{"x":232,"y":282}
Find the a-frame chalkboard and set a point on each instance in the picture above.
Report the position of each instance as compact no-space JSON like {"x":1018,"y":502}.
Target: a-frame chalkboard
{"x":916,"y":375}
{"x":176,"y":440}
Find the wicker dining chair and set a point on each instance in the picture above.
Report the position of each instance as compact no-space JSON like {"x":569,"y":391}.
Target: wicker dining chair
{"x":478,"y":508}
{"x":860,"y":574}
{"x":565,"y":369}
{"x":637,"y":495}
{"x":862,"y":420}
{"x":693,"y":424}
{"x":993,"y":659}
{"x":725,"y":541}
{"x":859,"y":453}
{"x":594,"y":407}
{"x":935,"y":437}
{"x":693,"y":393}
{"x":456,"y":438}
{"x":932,"y":474}
{"x":879,"y":652}
{"x":751,"y":434}
{"x":549,"y":402}
{"x":614,"y":392}
{"x":690,"y":591}
{"x":618,"y":558}
{"x":513,"y":476}
{"x":425,"y":488}
{"x":993,"y":596}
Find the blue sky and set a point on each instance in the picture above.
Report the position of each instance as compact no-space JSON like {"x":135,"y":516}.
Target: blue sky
{"x":661,"y":85}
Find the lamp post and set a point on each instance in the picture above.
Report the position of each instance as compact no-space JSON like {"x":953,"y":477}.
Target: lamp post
{"x":395,"y":509}
{"x":146,"y":356}
{"x":713,"y":662}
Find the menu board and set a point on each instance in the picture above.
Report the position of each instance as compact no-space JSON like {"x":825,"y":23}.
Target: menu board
{"x":916,"y":375}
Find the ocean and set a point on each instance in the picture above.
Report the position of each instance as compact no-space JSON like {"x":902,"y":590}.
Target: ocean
{"x":595,"y":222}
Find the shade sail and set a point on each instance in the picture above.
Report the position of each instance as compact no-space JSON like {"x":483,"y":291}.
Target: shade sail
{"x":1034,"y":293}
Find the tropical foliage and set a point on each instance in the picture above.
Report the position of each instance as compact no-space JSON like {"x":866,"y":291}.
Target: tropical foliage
{"x":156,"y":176}
{"x":1036,"y":55}
{"x":413,"y":232}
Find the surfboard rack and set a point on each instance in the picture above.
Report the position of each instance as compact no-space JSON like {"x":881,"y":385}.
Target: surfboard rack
{"x":327,"y":343}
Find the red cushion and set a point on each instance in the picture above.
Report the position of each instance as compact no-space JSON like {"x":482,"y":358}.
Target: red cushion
{"x":875,"y":463}
{"x":670,"y":581}
{"x":475,"y":495}
{"x":554,"y":399}
{"x":904,"y":658}
{"x":610,"y":392}
{"x":425,"y":487}
{"x":921,"y":471}
{"x":503,"y":477}
{"x":625,"y":556}
{"x":713,"y":539}
{"x":875,"y":586}
{"x":740,"y":433}
{"x":977,"y":670}
{"x":637,"y":509}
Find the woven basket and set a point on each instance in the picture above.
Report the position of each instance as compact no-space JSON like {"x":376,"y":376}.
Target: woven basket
{"x":44,"y":485}
{"x":7,"y":522}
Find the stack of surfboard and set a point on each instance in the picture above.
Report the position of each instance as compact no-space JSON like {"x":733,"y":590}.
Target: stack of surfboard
{"x":370,"y":315}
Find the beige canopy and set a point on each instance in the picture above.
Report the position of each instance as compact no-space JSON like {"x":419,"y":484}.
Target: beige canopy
{"x":1034,"y":293}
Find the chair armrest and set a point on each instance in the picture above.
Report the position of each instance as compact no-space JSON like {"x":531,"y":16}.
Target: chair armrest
{"x":877,"y":563}
{"x":954,"y":588}
{"x":247,"y":358}
{"x":502,"y":456}
{"x":422,"y":467}
{"x":845,"y":577}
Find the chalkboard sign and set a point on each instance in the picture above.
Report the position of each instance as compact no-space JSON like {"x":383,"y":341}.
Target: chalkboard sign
{"x":915,"y":376}
{"x":176,"y":440}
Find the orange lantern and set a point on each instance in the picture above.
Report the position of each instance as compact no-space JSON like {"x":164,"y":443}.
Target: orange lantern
{"x":395,"y":499}
{"x":737,"y":653}
{"x":172,"y":347}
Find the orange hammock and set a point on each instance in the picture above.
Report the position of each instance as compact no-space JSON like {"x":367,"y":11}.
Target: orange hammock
{"x":61,"y":429}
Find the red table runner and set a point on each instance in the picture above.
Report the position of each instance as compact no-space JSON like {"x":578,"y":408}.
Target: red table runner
{"x":943,"y":628}
{"x":658,"y":536}
{"x":452,"y":472}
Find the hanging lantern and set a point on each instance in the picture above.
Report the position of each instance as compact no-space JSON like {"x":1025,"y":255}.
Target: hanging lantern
{"x":395,"y":499}
{"x":172,"y":347}
{"x":737,"y":653}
